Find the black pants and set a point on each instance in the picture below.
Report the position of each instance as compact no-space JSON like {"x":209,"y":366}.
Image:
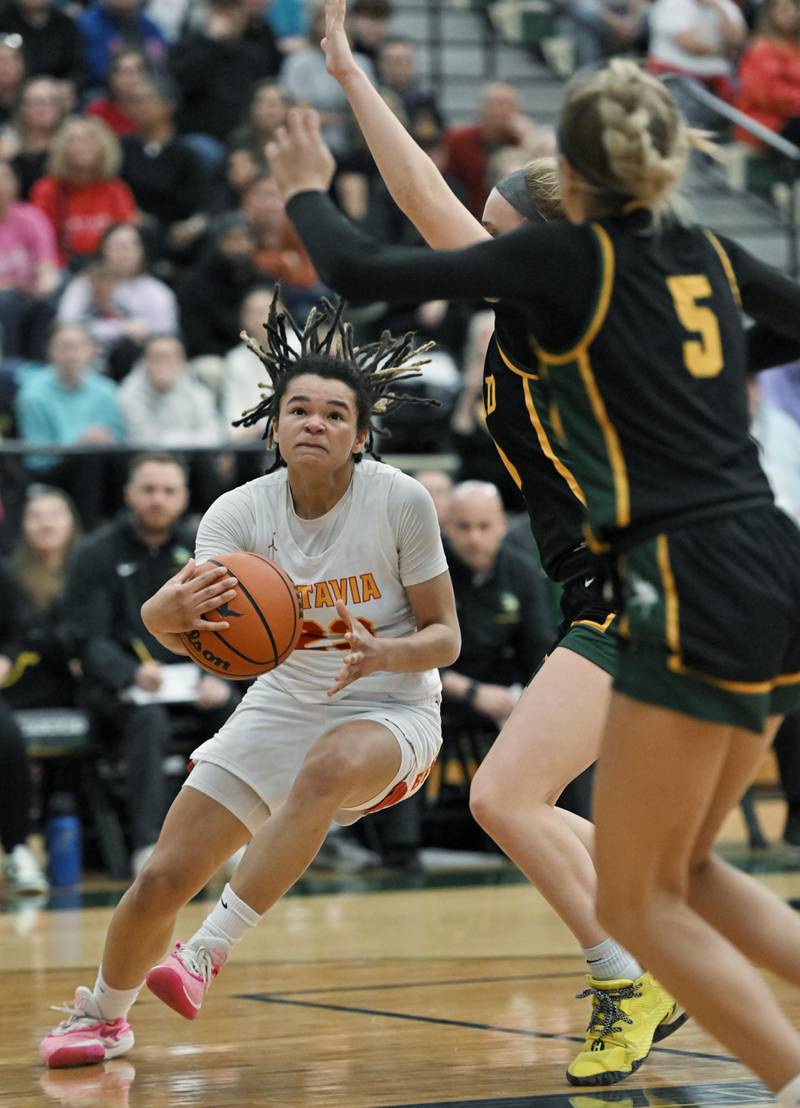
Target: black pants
{"x":142,"y":735}
{"x":25,"y":322}
{"x":15,"y":782}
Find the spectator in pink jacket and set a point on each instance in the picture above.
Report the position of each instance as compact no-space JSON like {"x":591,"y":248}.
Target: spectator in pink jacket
{"x":28,"y":271}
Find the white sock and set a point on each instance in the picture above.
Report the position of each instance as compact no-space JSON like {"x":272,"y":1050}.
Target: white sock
{"x":789,"y":1096}
{"x":608,"y":961}
{"x":113,"y":1003}
{"x":226,"y":925}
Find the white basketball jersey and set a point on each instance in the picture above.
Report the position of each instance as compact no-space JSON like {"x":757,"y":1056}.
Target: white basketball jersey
{"x":381,"y":537}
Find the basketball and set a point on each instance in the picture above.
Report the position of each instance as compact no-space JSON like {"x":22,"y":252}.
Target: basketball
{"x":265,"y":620}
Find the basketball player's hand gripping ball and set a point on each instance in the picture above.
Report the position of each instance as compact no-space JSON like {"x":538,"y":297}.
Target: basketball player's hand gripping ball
{"x":365,"y":655}
{"x":184,"y":602}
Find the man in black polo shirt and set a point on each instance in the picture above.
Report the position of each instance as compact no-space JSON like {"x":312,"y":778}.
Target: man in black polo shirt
{"x":506,"y":622}
{"x":113,"y":572}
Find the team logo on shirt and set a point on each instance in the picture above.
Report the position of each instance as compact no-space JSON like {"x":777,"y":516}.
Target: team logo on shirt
{"x":509,"y":608}
{"x":357,"y":589}
{"x":642,"y":594}
{"x":350,"y":590}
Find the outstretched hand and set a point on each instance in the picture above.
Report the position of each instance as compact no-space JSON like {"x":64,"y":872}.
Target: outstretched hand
{"x":298,"y":157}
{"x":365,"y":655}
{"x":182,"y":603}
{"x":339,"y":59}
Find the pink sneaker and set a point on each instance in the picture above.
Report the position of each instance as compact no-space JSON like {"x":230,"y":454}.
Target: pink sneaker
{"x":182,"y":979}
{"x":84,"y":1036}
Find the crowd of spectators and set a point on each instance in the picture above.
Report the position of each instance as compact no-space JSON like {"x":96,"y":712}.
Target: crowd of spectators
{"x":140,"y":230}
{"x":136,"y":205}
{"x":745,"y":51}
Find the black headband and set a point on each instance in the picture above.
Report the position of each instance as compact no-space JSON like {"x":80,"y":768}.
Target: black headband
{"x":514,"y":188}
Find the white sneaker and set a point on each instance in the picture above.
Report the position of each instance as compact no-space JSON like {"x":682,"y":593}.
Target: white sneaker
{"x":22,"y":872}
{"x":141,"y":857}
{"x":345,"y":855}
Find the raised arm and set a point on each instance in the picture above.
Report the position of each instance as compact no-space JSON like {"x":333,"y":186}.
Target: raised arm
{"x":772,"y":301}
{"x":416,"y":185}
{"x":534,"y":265}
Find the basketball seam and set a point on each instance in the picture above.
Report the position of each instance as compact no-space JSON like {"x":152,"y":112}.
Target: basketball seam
{"x":266,"y":626}
{"x":278,"y":657}
{"x":291,"y":588}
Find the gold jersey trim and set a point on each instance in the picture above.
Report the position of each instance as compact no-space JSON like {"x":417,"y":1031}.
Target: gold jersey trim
{"x":541,"y":434}
{"x":726,"y":265}
{"x":606,"y":248}
{"x":594,"y":624}
{"x":619,"y":470}
{"x":512,"y":469}
{"x":676,"y":663}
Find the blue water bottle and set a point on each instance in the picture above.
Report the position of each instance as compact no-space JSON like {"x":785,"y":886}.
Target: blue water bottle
{"x":63,"y":841}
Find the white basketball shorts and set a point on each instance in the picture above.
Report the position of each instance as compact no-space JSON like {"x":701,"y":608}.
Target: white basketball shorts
{"x":263,"y":745}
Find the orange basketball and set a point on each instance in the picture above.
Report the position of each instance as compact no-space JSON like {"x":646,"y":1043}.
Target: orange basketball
{"x":265,"y":620}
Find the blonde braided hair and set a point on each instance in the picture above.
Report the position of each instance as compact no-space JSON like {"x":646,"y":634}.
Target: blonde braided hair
{"x":623,"y":133}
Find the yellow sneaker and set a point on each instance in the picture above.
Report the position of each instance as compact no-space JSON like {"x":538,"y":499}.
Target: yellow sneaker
{"x":627,"y":1018}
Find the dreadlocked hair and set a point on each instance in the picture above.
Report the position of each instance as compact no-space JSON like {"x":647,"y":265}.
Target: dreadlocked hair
{"x":327,"y":350}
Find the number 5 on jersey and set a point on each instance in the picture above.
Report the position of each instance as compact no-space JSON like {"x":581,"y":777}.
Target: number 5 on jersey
{"x":703,"y":355}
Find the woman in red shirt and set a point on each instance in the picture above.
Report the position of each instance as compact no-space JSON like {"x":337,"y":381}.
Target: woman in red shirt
{"x":82,"y":194}
{"x":128,"y":71}
{"x":769,"y":72}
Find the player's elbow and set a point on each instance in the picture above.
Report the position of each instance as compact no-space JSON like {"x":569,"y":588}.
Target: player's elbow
{"x":451,"y":646}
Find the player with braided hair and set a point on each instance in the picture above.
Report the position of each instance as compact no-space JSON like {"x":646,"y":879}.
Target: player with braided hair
{"x":347,"y":725}
{"x":635,"y":319}
{"x":551,"y":736}
{"x":373,"y":369}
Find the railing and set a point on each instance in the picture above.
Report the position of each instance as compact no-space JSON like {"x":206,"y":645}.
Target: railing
{"x":775,"y":142}
{"x":438,"y":36}
{"x":436,"y":40}
{"x":16,"y":448}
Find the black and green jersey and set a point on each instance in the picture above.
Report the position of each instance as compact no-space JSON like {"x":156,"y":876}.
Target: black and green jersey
{"x":638,"y":332}
{"x":517,"y":406}
{"x":664,"y":436}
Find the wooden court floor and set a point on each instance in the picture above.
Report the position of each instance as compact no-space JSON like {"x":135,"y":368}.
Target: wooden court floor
{"x":458,"y":995}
